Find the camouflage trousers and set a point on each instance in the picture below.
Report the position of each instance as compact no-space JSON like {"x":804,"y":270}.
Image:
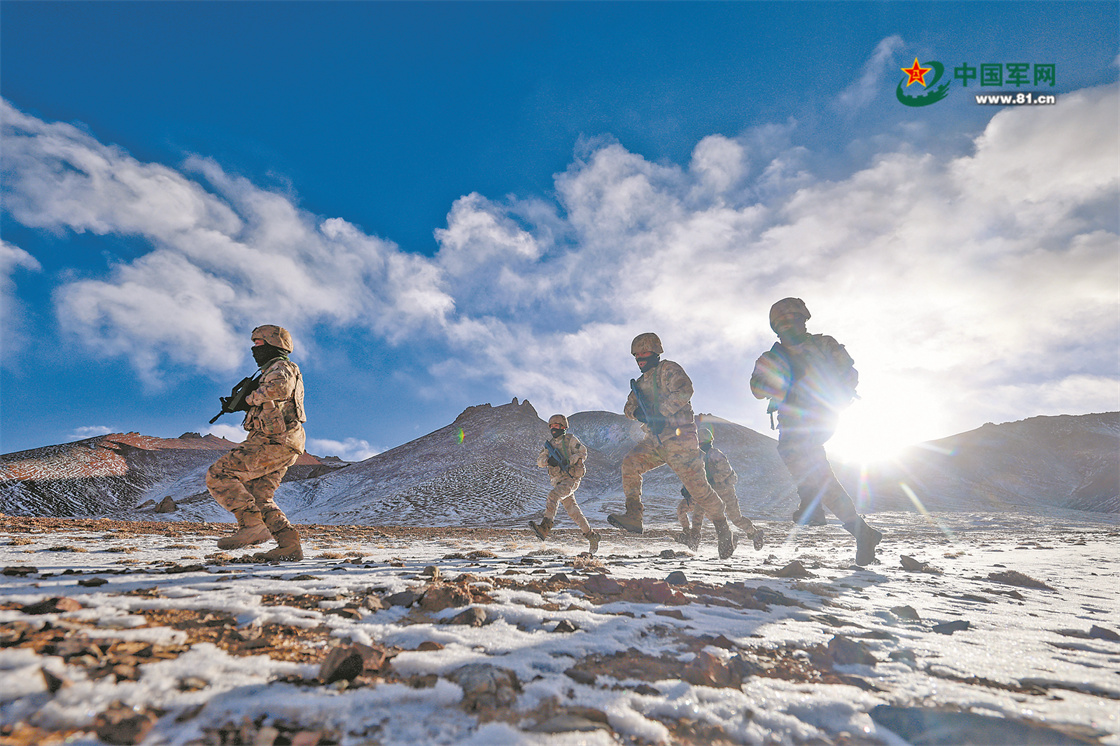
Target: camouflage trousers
{"x":730,"y":508}
{"x":803,"y":453}
{"x":244,"y":480}
{"x":563,"y":492}
{"x":682,"y":454}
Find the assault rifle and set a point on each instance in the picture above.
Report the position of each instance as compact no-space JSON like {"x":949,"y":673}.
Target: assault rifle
{"x":555,"y":455}
{"x":656,"y":425}
{"x":235,"y":402}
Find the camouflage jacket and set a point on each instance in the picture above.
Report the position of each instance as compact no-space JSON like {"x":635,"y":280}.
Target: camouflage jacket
{"x":570,"y":448}
{"x":276,"y":407}
{"x":667,"y":389}
{"x":718,"y":470}
{"x":817,"y":378}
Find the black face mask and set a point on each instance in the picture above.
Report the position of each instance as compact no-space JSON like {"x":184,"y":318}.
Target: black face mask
{"x":557,"y":432}
{"x":706,"y":446}
{"x":263,"y":353}
{"x":652,"y":362}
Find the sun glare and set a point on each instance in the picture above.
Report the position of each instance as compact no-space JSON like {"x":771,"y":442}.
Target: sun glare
{"x":877,"y":427}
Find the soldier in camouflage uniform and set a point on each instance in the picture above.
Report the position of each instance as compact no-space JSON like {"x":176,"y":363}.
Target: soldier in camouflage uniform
{"x":723,"y":479}
{"x":565,"y":474}
{"x":244,"y":480}
{"x":809,"y":378}
{"x":665,"y":409}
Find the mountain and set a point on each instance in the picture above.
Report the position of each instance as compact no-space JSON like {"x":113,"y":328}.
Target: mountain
{"x":113,"y":474}
{"x":1065,"y":461}
{"x":480,"y":470}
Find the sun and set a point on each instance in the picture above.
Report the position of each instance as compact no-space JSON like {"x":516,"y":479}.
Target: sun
{"x":886,"y":420}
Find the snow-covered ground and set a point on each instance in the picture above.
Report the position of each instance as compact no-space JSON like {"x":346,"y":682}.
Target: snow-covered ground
{"x":180,"y":645}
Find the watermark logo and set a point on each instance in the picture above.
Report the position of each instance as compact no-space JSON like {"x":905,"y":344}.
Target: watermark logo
{"x":917,"y":74}
{"x":988,"y":74}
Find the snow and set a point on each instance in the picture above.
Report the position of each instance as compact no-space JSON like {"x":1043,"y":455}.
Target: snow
{"x":1027,"y":654}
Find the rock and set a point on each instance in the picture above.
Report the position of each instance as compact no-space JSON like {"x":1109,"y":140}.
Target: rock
{"x":845,"y":651}
{"x":56,"y":605}
{"x":659,"y":592}
{"x":20,"y":571}
{"x":933,"y":726}
{"x":707,"y":669}
{"x":92,"y":582}
{"x":1103,"y":633}
{"x":122,"y":725}
{"x":373,"y":602}
{"x":445,"y":596}
{"x":567,"y":724}
{"x":486,"y":686}
{"x":167,"y":505}
{"x":431,"y":571}
{"x":580,"y":677}
{"x":1014,"y":577}
{"x":53,"y":682}
{"x":565,"y":626}
{"x":559,"y":578}
{"x":667,"y":554}
{"x":429,"y":646}
{"x":404,"y":598}
{"x":676,"y":577}
{"x":672,"y":613}
{"x":475,"y":616}
{"x":948,"y":628}
{"x":346,"y":662}
{"x":905,"y":612}
{"x":603,"y":585}
{"x":905,"y":655}
{"x":794,"y":570}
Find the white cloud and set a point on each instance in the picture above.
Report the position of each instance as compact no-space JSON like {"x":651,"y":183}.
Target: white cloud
{"x":350,"y":449}
{"x":232,"y":433}
{"x":89,"y":431}
{"x":226,"y":255}
{"x":870,"y":82}
{"x":12,"y":322}
{"x":970,"y":278}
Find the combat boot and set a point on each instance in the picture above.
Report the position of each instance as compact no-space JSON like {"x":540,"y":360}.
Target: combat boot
{"x":631,"y":520}
{"x":593,"y":538}
{"x":541,"y":529}
{"x":867,"y":539}
{"x":806,"y":518}
{"x":725,"y":540}
{"x":251,"y":530}
{"x":757,"y":537}
{"x":289,"y":549}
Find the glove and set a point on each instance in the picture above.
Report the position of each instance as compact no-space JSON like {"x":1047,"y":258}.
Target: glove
{"x":656,"y":424}
{"x":553,"y":462}
{"x":686,"y":495}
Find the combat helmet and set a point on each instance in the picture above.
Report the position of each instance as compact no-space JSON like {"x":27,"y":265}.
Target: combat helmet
{"x":277,"y":336}
{"x":558,"y":419}
{"x":645,"y":343}
{"x":788,"y":307}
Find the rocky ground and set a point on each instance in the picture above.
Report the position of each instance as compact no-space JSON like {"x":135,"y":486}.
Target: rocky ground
{"x":975,"y":628}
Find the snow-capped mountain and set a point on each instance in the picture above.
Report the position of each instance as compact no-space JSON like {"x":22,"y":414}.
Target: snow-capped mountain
{"x":480,"y":470}
{"x":113,"y":474}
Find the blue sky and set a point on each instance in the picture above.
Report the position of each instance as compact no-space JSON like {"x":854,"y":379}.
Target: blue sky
{"x":457,"y":203}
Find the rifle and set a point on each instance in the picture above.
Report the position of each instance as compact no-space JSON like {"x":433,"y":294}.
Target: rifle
{"x":645,"y":412}
{"x":235,"y":402}
{"x":555,"y":455}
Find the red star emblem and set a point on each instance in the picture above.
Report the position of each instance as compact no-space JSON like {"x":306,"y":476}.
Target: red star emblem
{"x":917,"y":73}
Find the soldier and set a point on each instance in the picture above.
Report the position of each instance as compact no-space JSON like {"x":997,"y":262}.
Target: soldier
{"x":809,"y":378}
{"x":244,"y":480}
{"x":661,"y":400}
{"x":565,"y":457}
{"x":722,"y":478}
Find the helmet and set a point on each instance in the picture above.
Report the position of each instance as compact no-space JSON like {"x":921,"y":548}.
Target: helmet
{"x":277,"y":336}
{"x":646,"y":342}
{"x":788,"y":307}
{"x":558,"y":419}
